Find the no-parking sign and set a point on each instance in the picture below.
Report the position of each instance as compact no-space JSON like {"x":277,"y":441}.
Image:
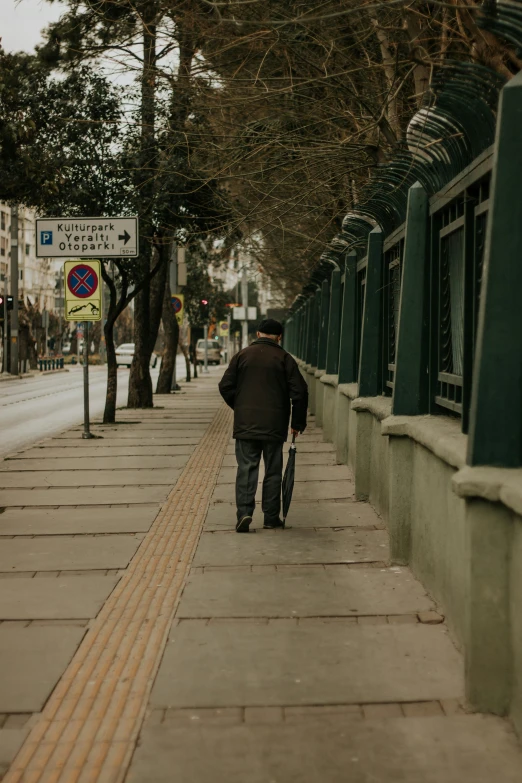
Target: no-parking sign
{"x":83,"y":291}
{"x":224,"y":329}
{"x":178,"y":305}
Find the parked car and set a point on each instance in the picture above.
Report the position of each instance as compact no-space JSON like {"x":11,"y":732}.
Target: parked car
{"x":66,"y":348}
{"x":125,"y":355}
{"x":213,"y":352}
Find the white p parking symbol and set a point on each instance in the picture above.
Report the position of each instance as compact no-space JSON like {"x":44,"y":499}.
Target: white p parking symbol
{"x":46,"y":237}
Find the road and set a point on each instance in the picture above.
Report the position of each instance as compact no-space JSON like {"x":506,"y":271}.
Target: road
{"x":34,"y":408}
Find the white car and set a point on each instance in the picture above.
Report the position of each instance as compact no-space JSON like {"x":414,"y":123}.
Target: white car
{"x":125,"y":355}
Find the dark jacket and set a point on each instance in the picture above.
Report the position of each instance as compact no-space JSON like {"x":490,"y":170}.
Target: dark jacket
{"x":259,"y":384}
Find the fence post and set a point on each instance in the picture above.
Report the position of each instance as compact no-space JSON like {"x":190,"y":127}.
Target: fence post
{"x":496,"y":409}
{"x":300,"y":332}
{"x":334,"y":326}
{"x":348,"y":369}
{"x":316,"y":306}
{"x":309,"y":316}
{"x":411,"y":387}
{"x":323,"y":324}
{"x":370,"y":374}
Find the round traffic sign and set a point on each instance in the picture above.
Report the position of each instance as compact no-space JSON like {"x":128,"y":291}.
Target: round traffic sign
{"x":224,"y":326}
{"x":177,"y":304}
{"x":82,"y":281}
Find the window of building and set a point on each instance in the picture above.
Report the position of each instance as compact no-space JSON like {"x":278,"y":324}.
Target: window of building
{"x":2,"y":221}
{"x":21,"y":274}
{"x":27,"y":250}
{"x":3,"y":245}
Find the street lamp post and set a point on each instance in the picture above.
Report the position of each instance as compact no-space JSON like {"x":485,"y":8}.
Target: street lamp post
{"x":14,"y":290}
{"x":205,"y":367}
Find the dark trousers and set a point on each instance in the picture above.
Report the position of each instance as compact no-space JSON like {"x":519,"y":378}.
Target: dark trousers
{"x":248,"y":455}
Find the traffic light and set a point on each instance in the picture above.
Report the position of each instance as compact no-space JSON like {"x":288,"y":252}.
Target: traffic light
{"x":10,"y":302}
{"x":204,"y":310}
{"x":2,"y":308}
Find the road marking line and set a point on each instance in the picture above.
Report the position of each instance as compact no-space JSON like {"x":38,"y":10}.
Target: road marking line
{"x":88,"y":729}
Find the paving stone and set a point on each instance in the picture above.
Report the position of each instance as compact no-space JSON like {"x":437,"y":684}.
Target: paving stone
{"x":88,"y":478}
{"x":49,"y":553}
{"x":292,"y":547}
{"x":10,"y":743}
{"x":94,"y":519}
{"x":382,"y":711}
{"x":102,"y":452}
{"x":302,"y":592}
{"x":309,"y":490}
{"x":431,"y":617}
{"x":172,"y":422}
{"x":305,"y":458}
{"x":229,"y":716}
{"x":128,"y":444}
{"x":31,"y":662}
{"x":263,"y":715}
{"x":345,"y":513}
{"x":181,"y":435}
{"x":402,"y":619}
{"x":251,"y":665}
{"x":90,"y":463}
{"x":422,"y":709}
{"x":342,"y":711}
{"x":302,"y":473}
{"x":61,"y":597}
{"x":306,"y":447}
{"x":102,"y":496}
{"x":17,"y":721}
{"x":433,"y":750}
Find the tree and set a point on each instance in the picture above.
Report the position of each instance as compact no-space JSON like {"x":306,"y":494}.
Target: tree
{"x":312,"y":98}
{"x":170,"y":207}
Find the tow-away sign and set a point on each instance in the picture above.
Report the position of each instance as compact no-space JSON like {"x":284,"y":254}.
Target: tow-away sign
{"x":87,"y":237}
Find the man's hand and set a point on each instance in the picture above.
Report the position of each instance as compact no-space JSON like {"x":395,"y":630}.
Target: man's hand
{"x":295,"y":433}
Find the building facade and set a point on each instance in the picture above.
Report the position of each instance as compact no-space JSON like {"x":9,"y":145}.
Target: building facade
{"x":37,"y":277}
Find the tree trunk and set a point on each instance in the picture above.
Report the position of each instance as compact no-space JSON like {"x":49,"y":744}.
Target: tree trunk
{"x":109,"y":414}
{"x":186,"y":354}
{"x":140,"y":383}
{"x":115,"y":309}
{"x":171,"y":332}
{"x":147,"y":318}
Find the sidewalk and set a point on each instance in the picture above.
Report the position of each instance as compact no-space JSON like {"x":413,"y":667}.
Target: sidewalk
{"x":185,"y":652}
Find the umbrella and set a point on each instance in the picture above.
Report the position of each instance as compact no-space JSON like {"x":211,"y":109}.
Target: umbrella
{"x":288,"y":479}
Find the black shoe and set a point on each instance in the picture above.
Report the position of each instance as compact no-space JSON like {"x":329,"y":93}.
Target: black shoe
{"x":243,"y":524}
{"x":274,"y":524}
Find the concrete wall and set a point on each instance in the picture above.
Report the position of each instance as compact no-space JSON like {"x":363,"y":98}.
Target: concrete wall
{"x":329,"y":383}
{"x":460,"y":529}
{"x":515,"y":618}
{"x":319,"y":397}
{"x":427,"y":524}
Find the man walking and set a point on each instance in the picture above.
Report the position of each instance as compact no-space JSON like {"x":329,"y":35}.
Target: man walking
{"x":259,"y":385}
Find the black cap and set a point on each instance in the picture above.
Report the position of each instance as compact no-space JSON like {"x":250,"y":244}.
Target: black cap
{"x":270,"y":326}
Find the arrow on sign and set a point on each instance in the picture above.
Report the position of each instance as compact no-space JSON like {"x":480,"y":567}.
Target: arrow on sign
{"x":125,"y":236}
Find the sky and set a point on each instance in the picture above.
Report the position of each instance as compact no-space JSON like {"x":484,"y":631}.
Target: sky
{"x":21,"y":22}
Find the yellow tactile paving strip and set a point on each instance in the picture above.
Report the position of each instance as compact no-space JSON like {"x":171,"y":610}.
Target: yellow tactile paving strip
{"x":89,"y":727}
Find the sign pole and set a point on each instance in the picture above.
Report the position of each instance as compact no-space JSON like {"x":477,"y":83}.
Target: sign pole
{"x":86,"y":422}
{"x":205,"y":369}
{"x":229,"y":344}
{"x":14,"y":291}
{"x":173,"y":291}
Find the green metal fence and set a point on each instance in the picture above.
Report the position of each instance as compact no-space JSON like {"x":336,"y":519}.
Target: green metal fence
{"x":414,"y":305}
